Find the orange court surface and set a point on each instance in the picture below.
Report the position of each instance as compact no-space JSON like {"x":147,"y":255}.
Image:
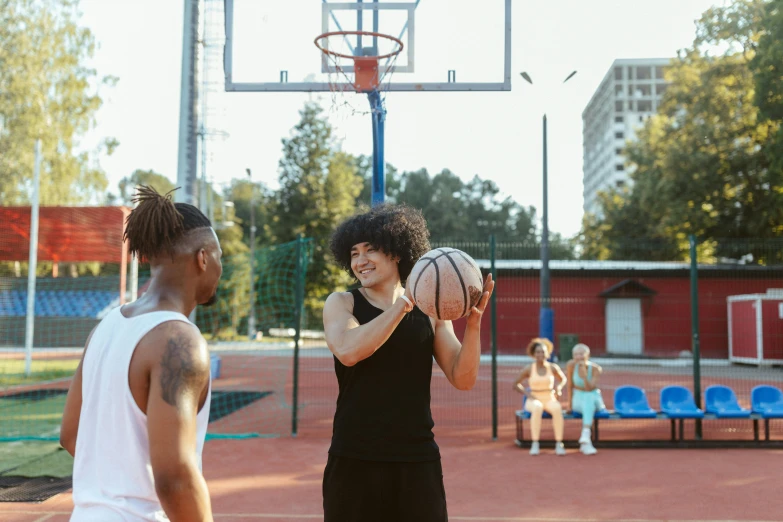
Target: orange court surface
{"x":280,"y":480}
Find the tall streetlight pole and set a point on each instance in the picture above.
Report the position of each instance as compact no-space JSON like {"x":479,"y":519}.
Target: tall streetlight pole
{"x":546,"y":317}
{"x":251,"y":320}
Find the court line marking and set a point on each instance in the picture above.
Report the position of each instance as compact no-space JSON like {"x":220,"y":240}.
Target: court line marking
{"x":48,"y":514}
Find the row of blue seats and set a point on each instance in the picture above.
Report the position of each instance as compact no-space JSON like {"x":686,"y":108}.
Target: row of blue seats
{"x":677,"y":405}
{"x":630,"y":402}
{"x":53,"y":303}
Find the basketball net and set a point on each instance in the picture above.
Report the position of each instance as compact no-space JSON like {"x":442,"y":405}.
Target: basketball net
{"x":373,"y":68}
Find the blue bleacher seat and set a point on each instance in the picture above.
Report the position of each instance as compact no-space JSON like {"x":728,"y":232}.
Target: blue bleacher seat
{"x":677,"y":403}
{"x":631,"y":402}
{"x":56,"y":303}
{"x":722,"y":401}
{"x":767,"y":401}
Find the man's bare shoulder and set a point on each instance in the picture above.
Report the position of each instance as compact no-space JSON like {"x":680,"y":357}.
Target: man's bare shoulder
{"x":339,"y":300}
{"x":181,"y":353}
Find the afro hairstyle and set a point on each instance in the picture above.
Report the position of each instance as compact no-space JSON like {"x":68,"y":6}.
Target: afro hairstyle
{"x":396,"y":230}
{"x":546,"y":344}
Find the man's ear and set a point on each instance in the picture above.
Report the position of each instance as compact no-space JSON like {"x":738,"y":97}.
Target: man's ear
{"x":201,"y":260}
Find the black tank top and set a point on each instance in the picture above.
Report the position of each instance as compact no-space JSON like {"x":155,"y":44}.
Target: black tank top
{"x":383,"y":409}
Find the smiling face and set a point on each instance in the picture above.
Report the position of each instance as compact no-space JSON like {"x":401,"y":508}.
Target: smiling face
{"x":581,"y":353}
{"x":372,"y":266}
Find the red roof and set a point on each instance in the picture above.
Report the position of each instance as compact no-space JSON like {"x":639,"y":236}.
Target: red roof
{"x":65,"y":234}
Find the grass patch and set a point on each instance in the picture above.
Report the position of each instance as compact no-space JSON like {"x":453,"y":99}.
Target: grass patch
{"x":31,"y":417}
{"x":34,"y":459}
{"x":12,"y":371}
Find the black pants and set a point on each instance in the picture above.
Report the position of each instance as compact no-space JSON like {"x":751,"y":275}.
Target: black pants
{"x":368,"y":491}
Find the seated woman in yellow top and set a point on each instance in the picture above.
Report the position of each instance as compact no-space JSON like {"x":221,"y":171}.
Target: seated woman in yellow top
{"x":541,"y":393}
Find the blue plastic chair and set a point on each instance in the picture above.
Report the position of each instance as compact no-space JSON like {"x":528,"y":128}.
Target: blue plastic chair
{"x":677,"y":403}
{"x":722,"y":401}
{"x":767,"y":401}
{"x":630,"y":402}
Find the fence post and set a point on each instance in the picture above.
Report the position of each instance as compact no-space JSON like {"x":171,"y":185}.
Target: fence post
{"x":695,"y":330}
{"x":299,"y":304}
{"x":494,"y":337}
{"x":29,"y":331}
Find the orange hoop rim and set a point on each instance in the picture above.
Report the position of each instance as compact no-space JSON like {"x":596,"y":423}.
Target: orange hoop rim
{"x":397,"y":51}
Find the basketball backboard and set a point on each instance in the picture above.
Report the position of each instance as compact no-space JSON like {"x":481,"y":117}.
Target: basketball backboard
{"x":270,"y":44}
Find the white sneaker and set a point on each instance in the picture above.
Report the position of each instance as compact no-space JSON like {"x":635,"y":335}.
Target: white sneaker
{"x":588,"y":449}
{"x":560,"y":449}
{"x":585,"y":438}
{"x":534,"y":449}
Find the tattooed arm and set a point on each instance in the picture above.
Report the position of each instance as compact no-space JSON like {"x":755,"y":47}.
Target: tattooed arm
{"x":178,"y":383}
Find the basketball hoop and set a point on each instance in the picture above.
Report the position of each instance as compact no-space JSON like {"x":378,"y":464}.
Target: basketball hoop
{"x":368,"y":73}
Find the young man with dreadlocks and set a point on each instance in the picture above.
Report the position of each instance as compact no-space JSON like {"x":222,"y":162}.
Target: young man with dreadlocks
{"x":137,"y":409}
{"x":384,"y":464}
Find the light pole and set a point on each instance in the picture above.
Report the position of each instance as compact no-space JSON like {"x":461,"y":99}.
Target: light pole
{"x":546,"y":317}
{"x":251,"y":320}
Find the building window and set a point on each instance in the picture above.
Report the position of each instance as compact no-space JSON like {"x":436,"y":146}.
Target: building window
{"x":618,"y":89}
{"x":618,"y":119}
{"x":619,"y":152}
{"x":618,"y":135}
{"x":642,"y":89}
{"x":659,"y":72}
{"x":619,"y":167}
{"x":660,"y":88}
{"x":618,"y":73}
{"x":619,"y":183}
{"x":644,"y":106}
{"x":643,"y":73}
{"x":618,"y":106}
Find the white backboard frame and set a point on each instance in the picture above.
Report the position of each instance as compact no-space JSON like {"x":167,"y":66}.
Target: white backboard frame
{"x":406,"y":33}
{"x":503,"y":84}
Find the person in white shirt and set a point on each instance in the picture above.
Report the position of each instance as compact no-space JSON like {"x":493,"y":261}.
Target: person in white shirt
{"x":137,"y":409}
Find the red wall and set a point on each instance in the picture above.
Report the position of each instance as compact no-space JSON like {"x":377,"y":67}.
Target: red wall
{"x":772,"y":327}
{"x":579,"y":310}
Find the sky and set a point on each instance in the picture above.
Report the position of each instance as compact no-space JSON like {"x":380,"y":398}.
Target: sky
{"x":496,"y":135}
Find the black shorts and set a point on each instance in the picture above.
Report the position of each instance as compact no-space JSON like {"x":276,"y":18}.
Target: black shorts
{"x":369,"y":491}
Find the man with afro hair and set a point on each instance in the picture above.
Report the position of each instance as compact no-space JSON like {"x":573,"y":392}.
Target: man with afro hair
{"x":383,"y":463}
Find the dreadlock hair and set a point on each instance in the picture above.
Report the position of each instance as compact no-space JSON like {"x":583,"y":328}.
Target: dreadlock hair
{"x":397,"y":230}
{"x":157,"y":224}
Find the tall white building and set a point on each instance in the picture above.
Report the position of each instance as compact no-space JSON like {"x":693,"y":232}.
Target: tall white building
{"x":630,"y":92}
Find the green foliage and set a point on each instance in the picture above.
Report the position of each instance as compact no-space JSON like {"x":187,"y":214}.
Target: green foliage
{"x":128,"y":184}
{"x":767,"y":67}
{"x":465,"y":211}
{"x":47,"y":92}
{"x":703,"y":165}
{"x":318,"y":189}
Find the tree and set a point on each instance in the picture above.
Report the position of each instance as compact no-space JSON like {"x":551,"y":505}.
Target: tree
{"x":319,"y":185}
{"x":46,"y":92}
{"x":702,"y":164}
{"x":393,"y":182}
{"x":128,"y":184}
{"x":767,"y":67}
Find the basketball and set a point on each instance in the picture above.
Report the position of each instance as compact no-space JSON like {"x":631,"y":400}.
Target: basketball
{"x":446,"y":283}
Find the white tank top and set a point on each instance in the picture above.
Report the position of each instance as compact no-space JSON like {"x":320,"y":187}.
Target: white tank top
{"x":112,"y":474}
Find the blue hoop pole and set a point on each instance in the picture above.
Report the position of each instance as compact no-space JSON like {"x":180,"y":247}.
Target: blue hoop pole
{"x":378,"y":163}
